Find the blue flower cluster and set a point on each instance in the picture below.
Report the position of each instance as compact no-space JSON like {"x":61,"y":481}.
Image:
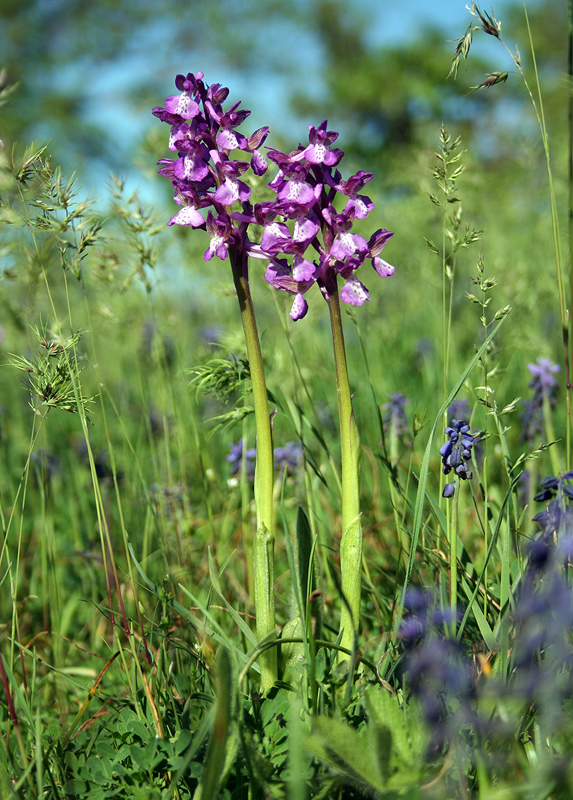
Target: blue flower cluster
{"x":556,"y":522}
{"x":544,"y":386}
{"x":457,"y":453}
{"x":395,"y":417}
{"x":458,"y":691}
{"x":287,"y":458}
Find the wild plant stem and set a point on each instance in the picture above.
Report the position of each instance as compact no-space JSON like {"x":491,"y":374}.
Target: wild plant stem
{"x":565,"y":315}
{"x":454,"y":558}
{"x":550,"y":433}
{"x":570,"y":209}
{"x":263,"y":548}
{"x":351,"y":542}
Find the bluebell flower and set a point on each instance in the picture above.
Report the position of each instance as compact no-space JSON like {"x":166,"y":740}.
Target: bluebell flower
{"x":557,"y":519}
{"x":459,"y":409}
{"x":440,"y":677}
{"x":235,"y":459}
{"x":414,"y":623}
{"x":544,"y":386}
{"x":210,"y":334}
{"x":395,"y":416}
{"x":542,"y":657}
{"x":457,"y":453}
{"x":543,"y":381}
{"x":288,"y":458}
{"x":421,"y":615}
{"x":424,"y":351}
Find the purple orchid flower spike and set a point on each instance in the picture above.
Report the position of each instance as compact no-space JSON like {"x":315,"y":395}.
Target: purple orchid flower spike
{"x":204,"y":175}
{"x":303,"y":215}
{"x":306,"y":240}
{"x":306,"y":217}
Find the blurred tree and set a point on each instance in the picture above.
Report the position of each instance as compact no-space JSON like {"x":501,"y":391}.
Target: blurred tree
{"x":393,"y":97}
{"x":90,"y":71}
{"x":58,"y":50}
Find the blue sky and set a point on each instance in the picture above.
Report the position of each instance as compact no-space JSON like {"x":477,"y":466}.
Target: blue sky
{"x":389,"y":23}
{"x":296,"y":62}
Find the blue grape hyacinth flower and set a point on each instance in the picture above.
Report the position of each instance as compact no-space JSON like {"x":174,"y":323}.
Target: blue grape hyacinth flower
{"x":456,"y":453}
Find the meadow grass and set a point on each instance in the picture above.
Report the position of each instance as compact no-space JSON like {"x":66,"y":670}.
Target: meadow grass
{"x":130,"y":661}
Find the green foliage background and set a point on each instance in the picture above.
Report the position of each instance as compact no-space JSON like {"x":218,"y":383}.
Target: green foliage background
{"x":150,"y":468}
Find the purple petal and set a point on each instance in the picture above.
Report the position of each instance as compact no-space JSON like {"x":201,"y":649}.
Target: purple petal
{"x":259,"y":163}
{"x":273,"y":236}
{"x":356,"y":182}
{"x":298,"y":192}
{"x":231,"y":191}
{"x":231,"y":140}
{"x":177,"y":135}
{"x":257,"y":138}
{"x":187,"y":216}
{"x":190,"y":168}
{"x":217,"y":247}
{"x":303,"y":270}
{"x":346,"y":244}
{"x":275,"y":272}
{"x":360,"y":205}
{"x":167,"y":169}
{"x":182,"y":105}
{"x":316,"y":154}
{"x":278,"y":181}
{"x":305,"y":229}
{"x":354,"y":292}
{"x":299,"y":308}
{"x":382,"y":267}
{"x":378,"y":240}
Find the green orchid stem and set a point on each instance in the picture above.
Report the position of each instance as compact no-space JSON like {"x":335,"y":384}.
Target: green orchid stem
{"x":351,"y":542}
{"x":263,"y":548}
